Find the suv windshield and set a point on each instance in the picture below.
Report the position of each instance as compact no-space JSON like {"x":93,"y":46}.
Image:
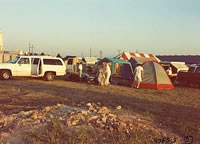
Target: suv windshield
{"x":13,"y":61}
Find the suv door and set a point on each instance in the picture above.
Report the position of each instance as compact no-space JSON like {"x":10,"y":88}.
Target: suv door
{"x":23,"y":67}
{"x":36,"y":66}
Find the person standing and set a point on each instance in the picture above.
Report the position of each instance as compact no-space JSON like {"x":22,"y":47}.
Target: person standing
{"x":107,"y":74}
{"x":138,"y":75}
{"x":101,"y":75}
{"x":80,"y":68}
{"x":169,"y":71}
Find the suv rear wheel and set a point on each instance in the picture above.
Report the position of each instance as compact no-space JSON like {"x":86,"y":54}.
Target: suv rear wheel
{"x":50,"y":76}
{"x":5,"y":74}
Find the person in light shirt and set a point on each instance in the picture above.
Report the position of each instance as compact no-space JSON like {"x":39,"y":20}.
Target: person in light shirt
{"x":138,"y":75}
{"x":80,"y":68}
{"x":107,"y":74}
{"x":101,"y":75}
{"x":169,"y":71}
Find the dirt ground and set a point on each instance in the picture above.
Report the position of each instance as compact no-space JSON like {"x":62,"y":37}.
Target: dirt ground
{"x":175,"y":110}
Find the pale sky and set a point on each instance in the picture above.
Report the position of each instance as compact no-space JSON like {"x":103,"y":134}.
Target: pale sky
{"x":72,"y":27}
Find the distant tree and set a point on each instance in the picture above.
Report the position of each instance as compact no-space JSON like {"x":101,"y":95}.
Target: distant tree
{"x":42,"y":54}
{"x":58,"y":55}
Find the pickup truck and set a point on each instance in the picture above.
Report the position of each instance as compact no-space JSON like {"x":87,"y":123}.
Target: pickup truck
{"x":47,"y":67}
{"x":192,"y":77}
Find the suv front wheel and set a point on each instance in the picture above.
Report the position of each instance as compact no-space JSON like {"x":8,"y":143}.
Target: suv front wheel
{"x":50,"y":76}
{"x":5,"y":74}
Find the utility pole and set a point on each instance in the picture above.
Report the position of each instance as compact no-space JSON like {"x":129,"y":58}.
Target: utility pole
{"x":90,"y":52}
{"x":101,"y":54}
{"x":29,"y":48}
{"x":32,"y":47}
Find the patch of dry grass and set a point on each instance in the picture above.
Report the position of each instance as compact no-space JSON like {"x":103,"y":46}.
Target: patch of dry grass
{"x":58,"y":133}
{"x":176,"y":110}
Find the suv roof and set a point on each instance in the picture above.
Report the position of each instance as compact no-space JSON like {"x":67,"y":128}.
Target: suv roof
{"x":41,"y":57}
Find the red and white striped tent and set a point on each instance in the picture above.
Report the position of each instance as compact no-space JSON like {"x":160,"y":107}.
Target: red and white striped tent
{"x":139,"y":57}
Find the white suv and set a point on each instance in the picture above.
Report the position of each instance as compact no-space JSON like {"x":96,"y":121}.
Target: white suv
{"x":33,"y":66}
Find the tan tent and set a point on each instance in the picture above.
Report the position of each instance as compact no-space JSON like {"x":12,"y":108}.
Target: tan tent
{"x":155,"y":76}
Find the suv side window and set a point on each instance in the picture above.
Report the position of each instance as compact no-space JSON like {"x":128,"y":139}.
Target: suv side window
{"x":24,"y":61}
{"x":52,"y":62}
{"x":35,"y":61}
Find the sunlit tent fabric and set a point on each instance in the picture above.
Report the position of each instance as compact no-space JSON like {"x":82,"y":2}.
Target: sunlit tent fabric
{"x":126,"y":70}
{"x":155,"y":76}
{"x":139,"y":57}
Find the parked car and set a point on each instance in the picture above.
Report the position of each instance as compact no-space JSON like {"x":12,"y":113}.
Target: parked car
{"x":47,"y":67}
{"x":192,"y":77}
